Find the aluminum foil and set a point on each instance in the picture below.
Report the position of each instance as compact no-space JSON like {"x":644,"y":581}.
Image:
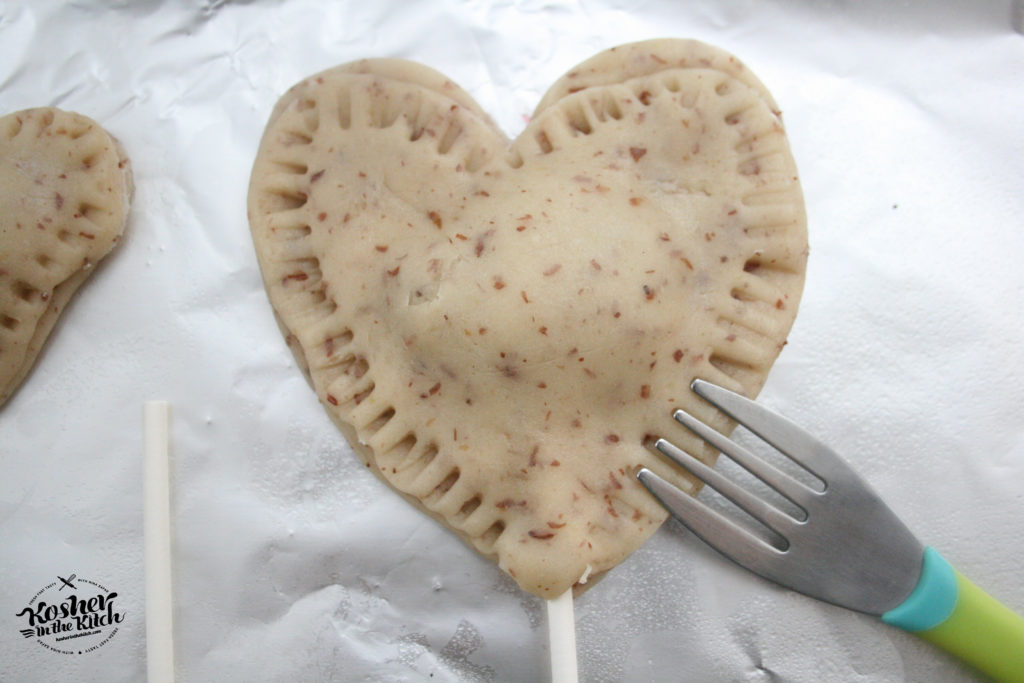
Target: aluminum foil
{"x":292,"y":562}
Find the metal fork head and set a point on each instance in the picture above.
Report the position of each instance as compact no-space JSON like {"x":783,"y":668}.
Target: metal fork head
{"x":848,"y":548}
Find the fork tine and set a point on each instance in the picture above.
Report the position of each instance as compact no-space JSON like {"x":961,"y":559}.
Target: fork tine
{"x":711,"y":527}
{"x":851,"y":551}
{"x":789,"y":487}
{"x":762,"y":511}
{"x":793,"y":441}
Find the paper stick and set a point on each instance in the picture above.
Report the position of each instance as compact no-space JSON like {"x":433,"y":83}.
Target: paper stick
{"x":562,"y":636}
{"x":156,"y":498}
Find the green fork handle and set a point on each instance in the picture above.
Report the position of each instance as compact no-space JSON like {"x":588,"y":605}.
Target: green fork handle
{"x":948,"y":610}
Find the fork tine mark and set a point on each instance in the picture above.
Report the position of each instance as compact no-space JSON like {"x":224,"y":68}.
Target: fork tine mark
{"x":792,"y":441}
{"x":789,"y":487}
{"x":718,"y":531}
{"x":762,"y":511}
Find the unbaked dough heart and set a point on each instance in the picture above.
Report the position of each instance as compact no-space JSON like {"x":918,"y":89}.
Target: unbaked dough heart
{"x":500,"y":328}
{"x":65,"y":189}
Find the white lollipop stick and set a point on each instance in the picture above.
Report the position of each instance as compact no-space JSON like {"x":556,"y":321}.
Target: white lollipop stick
{"x":156,"y":498}
{"x":562,"y":636}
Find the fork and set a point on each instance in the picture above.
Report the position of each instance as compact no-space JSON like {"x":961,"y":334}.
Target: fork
{"x":848,"y":548}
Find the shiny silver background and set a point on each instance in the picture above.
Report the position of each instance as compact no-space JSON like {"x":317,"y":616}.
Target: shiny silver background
{"x":293,"y":562}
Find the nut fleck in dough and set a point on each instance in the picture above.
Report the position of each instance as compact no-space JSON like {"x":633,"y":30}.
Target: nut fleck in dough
{"x":65,"y":188}
{"x":500,"y":328}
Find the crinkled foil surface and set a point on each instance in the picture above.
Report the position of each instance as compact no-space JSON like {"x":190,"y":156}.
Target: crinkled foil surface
{"x":291,"y":562}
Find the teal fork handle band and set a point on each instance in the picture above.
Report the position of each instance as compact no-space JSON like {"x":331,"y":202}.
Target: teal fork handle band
{"x":932,"y":600}
{"x":948,"y":610}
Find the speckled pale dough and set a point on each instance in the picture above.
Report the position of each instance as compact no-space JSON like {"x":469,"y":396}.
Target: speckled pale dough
{"x":501,"y":327}
{"x":65,"y":189}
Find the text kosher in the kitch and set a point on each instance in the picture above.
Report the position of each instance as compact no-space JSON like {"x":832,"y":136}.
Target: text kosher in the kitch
{"x":72,"y":623}
{"x":73,"y":614}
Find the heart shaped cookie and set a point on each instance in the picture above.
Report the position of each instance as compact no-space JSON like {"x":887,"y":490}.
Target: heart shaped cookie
{"x":500,"y":327}
{"x":65,"y":189}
